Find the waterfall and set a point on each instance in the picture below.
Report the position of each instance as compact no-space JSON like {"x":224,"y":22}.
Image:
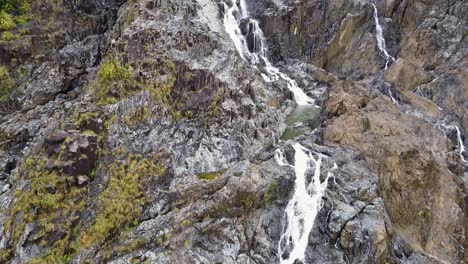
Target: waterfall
{"x":243,"y":7}
{"x":380,"y":39}
{"x":305,"y":204}
{"x":231,"y":25}
{"x":256,"y":53}
{"x":461,"y":146}
{"x":382,"y":47}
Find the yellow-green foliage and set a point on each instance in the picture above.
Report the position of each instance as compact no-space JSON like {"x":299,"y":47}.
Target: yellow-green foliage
{"x":114,"y":81}
{"x":136,"y":117}
{"x":6,"y":21}
{"x":6,"y":84}
{"x":161,"y":91}
{"x":210,"y":175}
{"x":12,"y":11}
{"x":8,"y":36}
{"x":134,"y":245}
{"x":242,"y":203}
{"x":185,"y":222}
{"x":82,"y":119}
{"x":271,"y":193}
{"x":48,"y":197}
{"x":121,"y":202}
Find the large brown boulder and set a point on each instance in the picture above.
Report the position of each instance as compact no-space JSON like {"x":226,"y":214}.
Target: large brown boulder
{"x":406,"y":75}
{"x":413,"y":162}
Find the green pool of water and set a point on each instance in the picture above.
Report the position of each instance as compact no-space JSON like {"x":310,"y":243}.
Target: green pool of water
{"x":309,"y":116}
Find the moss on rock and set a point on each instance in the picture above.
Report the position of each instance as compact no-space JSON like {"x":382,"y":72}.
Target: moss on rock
{"x":6,"y":83}
{"x":121,"y":202}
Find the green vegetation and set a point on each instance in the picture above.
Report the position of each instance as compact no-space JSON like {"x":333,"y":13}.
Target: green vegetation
{"x":186,"y":222}
{"x":51,"y":197}
{"x":271,"y":193}
{"x":6,"y":83}
{"x":214,"y":108}
{"x":241,"y":204}
{"x":8,"y":36}
{"x":83,"y":119}
{"x":47,"y":200}
{"x":161,"y":90}
{"x":121,"y":202}
{"x":140,"y":115}
{"x":127,"y":248}
{"x":13,"y":13}
{"x":114,"y":81}
{"x":244,"y":202}
{"x":6,"y":21}
{"x":210,"y":175}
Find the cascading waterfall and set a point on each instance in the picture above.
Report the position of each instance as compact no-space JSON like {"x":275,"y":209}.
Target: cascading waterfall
{"x":461,"y":146}
{"x":382,"y":47}
{"x":257,"y":52}
{"x":306,"y":202}
{"x":243,"y":7}
{"x":380,"y":39}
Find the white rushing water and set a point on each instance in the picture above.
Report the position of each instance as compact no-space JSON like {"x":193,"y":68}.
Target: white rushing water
{"x":382,"y":47}
{"x":380,"y":39}
{"x":257,"y":54}
{"x":461,"y":146}
{"x":305,"y":204}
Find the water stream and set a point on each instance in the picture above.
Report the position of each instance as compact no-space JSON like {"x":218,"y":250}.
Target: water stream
{"x":382,"y":47}
{"x":461,"y":147}
{"x":380,"y":39}
{"x":253,"y":49}
{"x":388,"y":59}
{"x":306,"y":202}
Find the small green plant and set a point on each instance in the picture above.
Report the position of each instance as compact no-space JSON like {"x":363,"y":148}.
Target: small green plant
{"x":210,"y":175}
{"x":185,"y":222}
{"x":12,"y":12}
{"x":82,"y":120}
{"x":121,"y":202}
{"x":139,"y":116}
{"x":6,"y":84}
{"x":8,"y":36}
{"x":48,"y":198}
{"x":114,"y":81}
{"x":6,"y":21}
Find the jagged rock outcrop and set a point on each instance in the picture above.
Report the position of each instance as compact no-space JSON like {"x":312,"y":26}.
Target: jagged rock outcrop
{"x":133,"y":132}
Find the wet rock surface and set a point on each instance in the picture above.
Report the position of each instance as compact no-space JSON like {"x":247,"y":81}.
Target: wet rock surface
{"x":133,"y":132}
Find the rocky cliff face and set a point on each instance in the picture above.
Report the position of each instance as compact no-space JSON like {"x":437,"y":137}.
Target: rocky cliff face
{"x":133,"y":131}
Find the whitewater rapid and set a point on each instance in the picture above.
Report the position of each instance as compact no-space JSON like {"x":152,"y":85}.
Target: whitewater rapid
{"x":461,"y":147}
{"x":380,"y":39}
{"x":302,"y":209}
{"x":382,"y":47}
{"x":258,"y":54}
{"x":304,"y":206}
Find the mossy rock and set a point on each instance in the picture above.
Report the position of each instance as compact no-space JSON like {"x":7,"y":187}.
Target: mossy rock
{"x":210,"y":175}
{"x":6,"y":84}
